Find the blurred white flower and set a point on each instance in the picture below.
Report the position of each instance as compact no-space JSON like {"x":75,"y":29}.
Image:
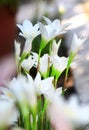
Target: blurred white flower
{"x":52,"y":29}
{"x":76,"y":43}
{"x":6,"y":94}
{"x":28,"y":30}
{"x":70,"y":112}
{"x":55,"y":47}
{"x":23,"y":89}
{"x":43,"y":86}
{"x":8,"y":113}
{"x":50,"y":95}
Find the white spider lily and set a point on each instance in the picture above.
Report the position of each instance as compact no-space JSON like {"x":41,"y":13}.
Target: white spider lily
{"x":28,"y":63}
{"x":76,"y":43}
{"x":8,"y":113}
{"x":23,"y":89}
{"x":51,"y":30}
{"x":55,"y":47}
{"x":28,"y":30}
{"x":59,"y":65}
{"x":43,"y":86}
{"x":70,"y":111}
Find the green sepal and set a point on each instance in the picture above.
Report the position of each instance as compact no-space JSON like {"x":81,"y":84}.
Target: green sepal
{"x":55,"y":72}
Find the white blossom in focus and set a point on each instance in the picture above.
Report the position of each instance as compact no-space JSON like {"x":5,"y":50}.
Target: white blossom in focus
{"x":59,"y":63}
{"x":28,"y":30}
{"x":52,"y":29}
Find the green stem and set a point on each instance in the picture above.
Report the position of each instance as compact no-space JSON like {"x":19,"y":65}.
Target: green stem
{"x":39,"y":60}
{"x":39,"y":113}
{"x":27,"y":121}
{"x":34,"y":123}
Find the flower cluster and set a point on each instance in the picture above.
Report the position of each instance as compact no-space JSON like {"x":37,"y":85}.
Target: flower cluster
{"x":36,"y":102}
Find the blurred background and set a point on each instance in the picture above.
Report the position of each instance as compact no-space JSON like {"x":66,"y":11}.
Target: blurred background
{"x":12,"y":12}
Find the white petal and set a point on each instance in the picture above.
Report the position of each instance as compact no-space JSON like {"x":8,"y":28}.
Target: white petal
{"x":44,"y":63}
{"x":43,"y":30}
{"x":60,"y":63}
{"x":76,"y":43}
{"x":28,"y":45}
{"x":20,"y":27}
{"x":27,"y":25}
{"x":56,"y":23}
{"x":48,"y":21}
{"x":28,"y":63}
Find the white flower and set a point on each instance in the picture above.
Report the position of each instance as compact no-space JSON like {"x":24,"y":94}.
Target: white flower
{"x":59,"y":64}
{"x":28,"y":30}
{"x":70,"y":112}
{"x":23,"y":89}
{"x":76,"y":43}
{"x":8,"y":113}
{"x":43,"y":86}
{"x":6,"y":94}
{"x":28,"y":63}
{"x":55,"y":47}
{"x":52,"y":29}
{"x":50,"y":95}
